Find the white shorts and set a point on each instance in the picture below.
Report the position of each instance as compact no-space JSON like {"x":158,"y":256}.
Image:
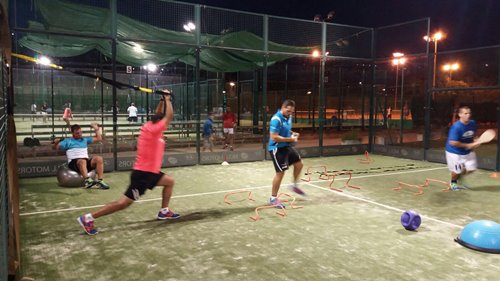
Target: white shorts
{"x":229,"y":131}
{"x":460,"y":163}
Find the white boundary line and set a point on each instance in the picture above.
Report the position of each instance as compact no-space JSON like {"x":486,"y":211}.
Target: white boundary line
{"x":140,"y":201}
{"x":345,"y":194}
{"x":230,"y":190}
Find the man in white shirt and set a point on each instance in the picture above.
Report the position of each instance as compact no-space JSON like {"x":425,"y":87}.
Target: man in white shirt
{"x":33,"y":111}
{"x":132,"y":113}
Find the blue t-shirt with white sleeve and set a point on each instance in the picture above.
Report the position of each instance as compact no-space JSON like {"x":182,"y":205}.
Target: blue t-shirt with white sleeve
{"x":75,"y":148}
{"x":281,"y":125}
{"x":463,"y":133}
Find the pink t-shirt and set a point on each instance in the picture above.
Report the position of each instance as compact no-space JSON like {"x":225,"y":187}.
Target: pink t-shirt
{"x":150,"y":147}
{"x":67,"y":113}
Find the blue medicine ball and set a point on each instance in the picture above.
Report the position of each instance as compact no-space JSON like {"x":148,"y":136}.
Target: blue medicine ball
{"x":410,"y":220}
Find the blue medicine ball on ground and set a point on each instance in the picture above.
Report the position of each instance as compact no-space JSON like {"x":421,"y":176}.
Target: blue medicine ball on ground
{"x":410,"y":220}
{"x":481,"y":235}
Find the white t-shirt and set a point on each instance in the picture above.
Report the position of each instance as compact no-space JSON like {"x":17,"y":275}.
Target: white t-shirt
{"x":132,"y":111}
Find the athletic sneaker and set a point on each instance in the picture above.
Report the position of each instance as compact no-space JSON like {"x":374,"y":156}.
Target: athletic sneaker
{"x":168,"y":216}
{"x":276,"y":202}
{"x":454,"y":186}
{"x":297,"y":190}
{"x":102,"y":185}
{"x":89,"y":182}
{"x":88,"y":226}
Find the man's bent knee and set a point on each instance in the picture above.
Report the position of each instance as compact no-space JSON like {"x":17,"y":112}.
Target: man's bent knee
{"x":298,"y":164}
{"x":280,"y":174}
{"x":166,"y":181}
{"x":124,"y":202}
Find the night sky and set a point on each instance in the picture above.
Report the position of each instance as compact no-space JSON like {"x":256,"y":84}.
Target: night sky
{"x":468,"y":23}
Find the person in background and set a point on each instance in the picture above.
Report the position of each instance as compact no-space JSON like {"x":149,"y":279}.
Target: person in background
{"x":67,"y":115}
{"x":132,"y":113}
{"x":44,"y":109}
{"x":406,"y":111}
{"x":208,"y":131}
{"x":33,"y":111}
{"x":229,"y":123}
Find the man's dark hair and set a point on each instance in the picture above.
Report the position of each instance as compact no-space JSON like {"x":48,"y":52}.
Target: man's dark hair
{"x":157,"y":117}
{"x":288,"y":103}
{"x":75,"y":128}
{"x":461,"y":108}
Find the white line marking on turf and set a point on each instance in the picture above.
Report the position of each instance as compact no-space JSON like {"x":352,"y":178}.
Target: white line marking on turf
{"x":141,"y":201}
{"x":223,"y":191}
{"x":345,"y":194}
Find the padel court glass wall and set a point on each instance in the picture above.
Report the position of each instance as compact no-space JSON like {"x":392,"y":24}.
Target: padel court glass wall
{"x":349,"y":96}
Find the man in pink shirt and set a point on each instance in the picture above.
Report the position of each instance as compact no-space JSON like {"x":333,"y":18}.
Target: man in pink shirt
{"x":146,"y":173}
{"x":229,"y":122}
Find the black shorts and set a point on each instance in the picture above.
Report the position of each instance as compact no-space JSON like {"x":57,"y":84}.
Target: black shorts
{"x":140,"y":181}
{"x":132,"y":119}
{"x":72,"y":165}
{"x":283,"y":157}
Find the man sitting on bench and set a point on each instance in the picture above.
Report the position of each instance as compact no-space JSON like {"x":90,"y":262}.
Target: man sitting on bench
{"x":76,"y":149}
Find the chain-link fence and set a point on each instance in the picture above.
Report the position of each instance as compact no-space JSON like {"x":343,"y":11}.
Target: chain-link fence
{"x":342,"y":78}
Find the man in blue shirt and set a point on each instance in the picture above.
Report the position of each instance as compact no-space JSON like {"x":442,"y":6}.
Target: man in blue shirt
{"x":460,"y":158}
{"x":208,"y":131}
{"x":282,"y":153}
{"x":76,"y":149}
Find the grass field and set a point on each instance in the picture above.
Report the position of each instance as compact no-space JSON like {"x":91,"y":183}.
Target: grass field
{"x":349,"y":235}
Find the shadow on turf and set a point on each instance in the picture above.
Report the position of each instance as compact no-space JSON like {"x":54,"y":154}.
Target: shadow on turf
{"x":194,"y":216}
{"x":405,"y":232}
{"x":490,"y":188}
{"x":450,"y":198}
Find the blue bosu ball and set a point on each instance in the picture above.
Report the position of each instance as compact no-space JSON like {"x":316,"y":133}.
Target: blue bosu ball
{"x":481,"y":235}
{"x":410,"y":220}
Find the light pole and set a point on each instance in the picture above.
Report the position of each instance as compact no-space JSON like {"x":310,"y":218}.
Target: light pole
{"x":401,"y":117}
{"x":231,"y":91}
{"x":434,"y":38}
{"x":450,"y":68}
{"x":150,"y":67}
{"x":315,"y":54}
{"x":190,"y":26}
{"x":398,"y":59}
{"x":308,"y":93}
{"x":46,"y":61}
